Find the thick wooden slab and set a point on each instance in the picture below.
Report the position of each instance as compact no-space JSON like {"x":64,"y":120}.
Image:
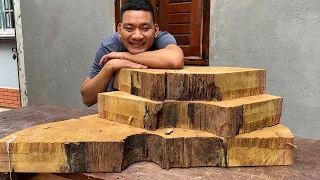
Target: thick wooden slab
{"x":223,"y":118}
{"x":92,"y":144}
{"x":269,"y":146}
{"x":128,"y":109}
{"x":150,"y":83}
{"x":192,"y":83}
{"x":305,"y":155}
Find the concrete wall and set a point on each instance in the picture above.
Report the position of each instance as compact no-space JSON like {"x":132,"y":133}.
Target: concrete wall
{"x":8,"y":66}
{"x":60,"y":40}
{"x":284,"y":38}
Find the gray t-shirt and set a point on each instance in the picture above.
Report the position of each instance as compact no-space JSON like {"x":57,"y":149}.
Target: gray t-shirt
{"x":113,"y":43}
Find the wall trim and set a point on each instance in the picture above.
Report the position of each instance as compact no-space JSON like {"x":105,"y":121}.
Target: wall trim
{"x":212,"y":36}
{"x":20,"y":54}
{"x":1,"y":87}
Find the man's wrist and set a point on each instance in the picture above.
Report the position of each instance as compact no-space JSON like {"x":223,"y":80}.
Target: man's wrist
{"x":108,"y":67}
{"x":127,"y":55}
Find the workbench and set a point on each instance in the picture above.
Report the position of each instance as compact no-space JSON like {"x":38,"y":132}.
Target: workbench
{"x":306,"y":158}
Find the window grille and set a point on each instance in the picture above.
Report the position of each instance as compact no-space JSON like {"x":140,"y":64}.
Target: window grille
{"x":6,"y":18}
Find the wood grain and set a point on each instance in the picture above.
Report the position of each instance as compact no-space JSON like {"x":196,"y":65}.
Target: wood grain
{"x":92,"y":144}
{"x":149,"y":83}
{"x":192,"y":83}
{"x":223,"y":118}
{"x":128,"y":109}
{"x":266,"y":147}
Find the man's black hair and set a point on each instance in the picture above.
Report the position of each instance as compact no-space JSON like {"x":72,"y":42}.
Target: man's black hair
{"x":144,"y":5}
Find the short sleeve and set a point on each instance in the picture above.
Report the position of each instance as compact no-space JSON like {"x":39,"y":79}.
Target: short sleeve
{"x":164,"y":39}
{"x":96,"y":68}
{"x":110,"y":44}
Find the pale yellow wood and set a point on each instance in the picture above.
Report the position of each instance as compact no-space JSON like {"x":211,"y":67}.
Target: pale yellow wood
{"x":192,"y":83}
{"x":33,"y":157}
{"x":92,"y":144}
{"x":266,"y":147}
{"x":258,"y":111}
{"x":142,"y":83}
{"x":253,"y":156}
{"x":34,"y":166}
{"x":43,"y":176}
{"x":110,"y":146}
{"x":128,"y":109}
{"x":223,"y":118}
{"x":77,"y":130}
{"x":209,"y":70}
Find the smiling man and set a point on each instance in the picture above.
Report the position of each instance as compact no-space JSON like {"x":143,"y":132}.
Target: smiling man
{"x":137,"y":44}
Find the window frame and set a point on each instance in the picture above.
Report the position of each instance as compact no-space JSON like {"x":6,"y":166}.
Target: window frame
{"x":6,"y":32}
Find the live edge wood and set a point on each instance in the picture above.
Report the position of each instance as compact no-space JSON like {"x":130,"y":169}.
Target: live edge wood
{"x":128,"y":109}
{"x":92,"y":144}
{"x":223,"y":118}
{"x":192,"y":83}
{"x":269,"y":146}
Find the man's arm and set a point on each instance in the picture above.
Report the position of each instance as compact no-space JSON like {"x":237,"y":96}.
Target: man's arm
{"x":171,"y":57}
{"x":91,"y":87}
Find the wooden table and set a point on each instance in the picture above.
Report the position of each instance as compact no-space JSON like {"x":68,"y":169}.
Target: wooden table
{"x":307,"y":154}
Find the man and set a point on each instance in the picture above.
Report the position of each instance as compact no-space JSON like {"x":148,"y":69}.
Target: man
{"x":138,"y":43}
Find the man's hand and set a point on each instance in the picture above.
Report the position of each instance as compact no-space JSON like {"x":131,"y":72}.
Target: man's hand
{"x":117,"y":64}
{"x":91,"y":87}
{"x":170,"y":57}
{"x":112,"y":55}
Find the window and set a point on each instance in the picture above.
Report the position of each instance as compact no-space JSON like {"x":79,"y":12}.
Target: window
{"x":6,"y":18}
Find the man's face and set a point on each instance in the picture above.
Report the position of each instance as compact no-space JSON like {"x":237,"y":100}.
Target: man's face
{"x":137,"y":31}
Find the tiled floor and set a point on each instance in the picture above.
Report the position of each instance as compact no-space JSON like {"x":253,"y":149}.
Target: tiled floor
{"x":3,"y":109}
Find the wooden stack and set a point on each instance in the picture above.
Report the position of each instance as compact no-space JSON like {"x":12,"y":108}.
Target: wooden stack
{"x":197,"y":116}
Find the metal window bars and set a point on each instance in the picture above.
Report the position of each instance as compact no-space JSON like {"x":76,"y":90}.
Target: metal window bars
{"x":6,"y":15}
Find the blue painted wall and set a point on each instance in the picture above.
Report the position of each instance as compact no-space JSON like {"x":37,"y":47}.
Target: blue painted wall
{"x":8,"y":66}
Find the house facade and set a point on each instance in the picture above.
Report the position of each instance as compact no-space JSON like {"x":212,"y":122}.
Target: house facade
{"x":9,"y":83}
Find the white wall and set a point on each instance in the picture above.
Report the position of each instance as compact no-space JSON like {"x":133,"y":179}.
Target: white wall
{"x":8,"y":66}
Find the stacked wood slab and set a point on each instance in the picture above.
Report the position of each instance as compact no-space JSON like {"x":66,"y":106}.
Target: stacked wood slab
{"x":223,"y":118}
{"x":229,"y":102}
{"x":197,"y":116}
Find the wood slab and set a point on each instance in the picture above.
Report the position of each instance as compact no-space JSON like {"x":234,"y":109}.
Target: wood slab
{"x":150,"y":83}
{"x":128,"y":109}
{"x":192,"y":83}
{"x":306,"y":154}
{"x":306,"y":166}
{"x":92,"y":144}
{"x":223,"y":118}
{"x":269,"y":146}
